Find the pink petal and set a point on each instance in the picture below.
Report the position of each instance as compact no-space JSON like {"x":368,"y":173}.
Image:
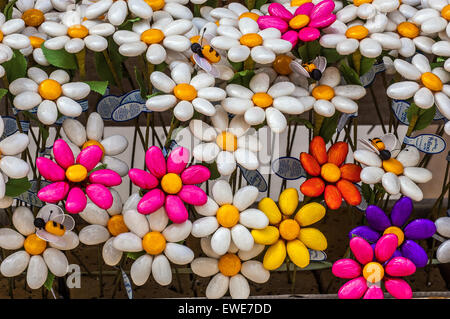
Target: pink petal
{"x":386,"y":247}
{"x":322,"y":22}
{"x":305,"y":8}
{"x":50,"y":170}
{"x":346,"y":268}
{"x":151,"y":202}
{"x":100,"y":195}
{"x":398,"y":288}
{"x":177,"y":160}
{"x":63,"y":154}
{"x":291,"y":36}
{"x":195,"y":174}
{"x":353,"y":289}
{"x":362,"y":250}
{"x":193,"y":195}
{"x":155,"y":161}
{"x":278,"y":10}
{"x":142,"y":179}
{"x":374,"y":292}
{"x":176,"y":211}
{"x":400,"y":266}
{"x":105,"y":177}
{"x":265,"y":22}
{"x":308,"y":34}
{"x":90,"y":156}
{"x":76,"y":201}
{"x":54,"y":192}
{"x":323,"y":8}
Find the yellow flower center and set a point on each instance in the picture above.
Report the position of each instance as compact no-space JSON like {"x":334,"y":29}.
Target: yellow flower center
{"x":229,"y":265}
{"x":227,"y":141}
{"x":431,"y":81}
{"x":408,"y":30}
{"x":116,"y":225}
{"x":262,"y":99}
{"x":357,"y":32}
{"x":445,"y":12}
{"x":154,"y":243}
{"x":393,"y":166}
{"x":1,"y":36}
{"x":299,"y":21}
{"x":373,"y":272}
{"x":298,"y":3}
{"x":227,"y":215}
{"x":34,"y":245}
{"x":50,"y":89}
{"x":36,"y":42}
{"x":250,"y":15}
{"x":76,"y":173}
{"x":33,"y":17}
{"x":155,"y":4}
{"x":152,"y":36}
{"x":171,"y":183}
{"x":185,"y":92}
{"x":251,"y":40}
{"x":93,"y":142}
{"x":289,"y":229}
{"x":323,"y":92}
{"x":77,"y":31}
{"x":330,"y":172}
{"x":360,"y":2}
{"x":396,"y":231}
{"x":282,"y":64}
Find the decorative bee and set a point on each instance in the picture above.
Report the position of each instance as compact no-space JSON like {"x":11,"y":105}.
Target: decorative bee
{"x":52,"y":223}
{"x":204,"y":55}
{"x":312,"y":70}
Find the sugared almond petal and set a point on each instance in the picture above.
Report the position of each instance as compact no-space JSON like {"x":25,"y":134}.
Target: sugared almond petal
{"x":54,"y":192}
{"x":50,"y":170}
{"x":63,"y":153}
{"x":76,"y":201}
{"x":105,"y":177}
{"x":151,"y":202}
{"x":90,"y":156}
{"x":142,"y":179}
{"x":100,"y":195}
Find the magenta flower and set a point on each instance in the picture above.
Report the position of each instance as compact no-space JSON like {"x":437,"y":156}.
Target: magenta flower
{"x":170,"y":184}
{"x":304,"y":24}
{"x":73,"y":178}
{"x":372,"y":267}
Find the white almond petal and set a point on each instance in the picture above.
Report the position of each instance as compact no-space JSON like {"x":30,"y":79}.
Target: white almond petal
{"x":347,"y":46}
{"x":37,"y":272}
{"x":14,"y":144}
{"x":288,"y":105}
{"x":111,"y":256}
{"x":205,"y":152}
{"x":418,"y":174}
{"x":377,"y":23}
{"x":54,"y":29}
{"x":226,"y":164}
{"x":424,"y":98}
{"x":277,"y":46}
{"x":245,"y":197}
{"x":178,"y":254}
{"x":136,"y":222}
{"x":424,"y":43}
{"x":255,"y":271}
{"x":156,"y":54}
{"x":212,"y":94}
{"x":222,"y":193}
{"x":410,"y":189}
{"x":93,"y":235}
{"x":177,"y":27}
{"x":204,"y":226}
{"x":141,"y":269}
{"x":114,"y":144}
{"x":181,"y":73}
{"x":236,"y":105}
{"x":15,"y":264}
{"x":332,"y":40}
{"x":351,"y":91}
{"x":74,"y":131}
{"x":281,"y":89}
{"x":254,"y":218}
{"x":402,"y":90}
{"x":125,"y":36}
{"x":347,"y":14}
{"x":205,"y":267}
{"x":217,"y":287}
{"x":254,"y":116}
{"x":345,"y":105}
{"x":408,"y":48}
{"x":229,"y":31}
{"x":162,"y":273}
{"x":183,"y":111}
{"x":441,"y":48}
{"x":262,"y":55}
{"x":391,"y":183}
{"x":224,"y":43}
{"x":61,"y":76}
{"x":140,"y":8}
{"x":202,"y":80}
{"x":97,"y":8}
{"x":371,"y":175}
{"x":128,"y":242}
{"x":407,"y":70}
{"x":74,"y":45}
{"x":247,"y":25}
{"x":443,"y":103}
{"x":370,"y":48}
{"x":132,"y":49}
{"x":246,"y":159}
{"x":56,"y":261}
{"x":443,"y":252}
{"x":434,"y":25}
{"x":117,"y":12}
{"x":367,"y":157}
{"x":94,"y":127}
{"x":94,"y":215}
{"x":23,"y":221}
{"x":202,"y":131}
{"x":238,"y":53}
{"x":177,"y":43}
{"x":443,"y":226}
{"x":177,"y":232}
{"x":331,"y":77}
{"x":158,"y":220}
{"x":117,"y":165}
{"x":116,"y":207}
{"x":388,"y":42}
{"x":27,"y":100}
{"x":410,"y":156}
{"x":76,"y":90}
{"x":252,"y":253}
{"x":37,"y":75}
{"x":239,"y":287}
{"x":208,"y":209}
{"x":421,"y":62}
{"x":22,"y":85}
{"x":324,"y":108}
{"x":14,"y":167}
{"x":239,"y":91}
{"x":68,"y":107}
{"x":10,"y":239}
{"x":178,"y":11}
{"x":161,"y":103}
{"x":259,"y":82}
{"x":220,"y":241}
{"x":204,"y":107}
{"x":276,"y":120}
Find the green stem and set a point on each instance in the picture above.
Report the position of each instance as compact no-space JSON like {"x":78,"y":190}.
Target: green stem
{"x":318,"y":121}
{"x":81,"y":61}
{"x":113,"y":70}
{"x":249,"y":64}
{"x":173,"y":124}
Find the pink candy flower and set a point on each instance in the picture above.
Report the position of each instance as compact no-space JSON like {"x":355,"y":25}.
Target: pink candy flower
{"x":73,"y":178}
{"x":170,"y":183}
{"x":367,"y":272}
{"x":304,"y":24}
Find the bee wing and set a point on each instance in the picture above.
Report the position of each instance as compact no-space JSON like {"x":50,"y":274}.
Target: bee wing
{"x":45,"y":235}
{"x":321,"y":63}
{"x":391,"y":143}
{"x":368,"y":146}
{"x":205,"y":65}
{"x":66,"y":220}
{"x":49,"y":211}
{"x":296,"y":66}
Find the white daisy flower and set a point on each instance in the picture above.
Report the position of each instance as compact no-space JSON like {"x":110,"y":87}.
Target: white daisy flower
{"x":228,"y":218}
{"x":185,"y":93}
{"x":36,"y":255}
{"x":35,"y":12}
{"x":428,"y":86}
{"x":117,"y":11}
{"x":93,"y":135}
{"x":34,"y":50}
{"x":373,"y":11}
{"x":11,"y":37}
{"x":49,"y":93}
{"x":443,"y":229}
{"x":229,"y":14}
{"x":226,"y":142}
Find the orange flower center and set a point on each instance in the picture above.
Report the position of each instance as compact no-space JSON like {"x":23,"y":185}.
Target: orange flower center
{"x":396,"y":231}
{"x":357,"y":32}
{"x":282,"y":64}
{"x":33,"y":17}
{"x":251,"y":40}
{"x":76,"y":173}
{"x":299,"y":21}
{"x":185,"y":92}
{"x":36,"y":42}
{"x":77,"y":31}
{"x":408,"y":30}
{"x":229,"y":265}
{"x":323,"y":92}
{"x":227,"y":141}
{"x":262,"y":99}
{"x":155,"y":4}
{"x":171,"y":183}
{"x":50,"y":89}
{"x":289,"y":229}
{"x":373,"y":272}
{"x":227,"y":215}
{"x":431,"y":81}
{"x":116,"y":225}
{"x":152,"y":36}
{"x":34,"y":245}
{"x":330,"y":172}
{"x":93,"y":142}
{"x":154,"y":243}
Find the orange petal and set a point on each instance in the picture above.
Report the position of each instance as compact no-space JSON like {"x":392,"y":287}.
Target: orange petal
{"x":349,"y":191}
{"x":337,"y":153}
{"x":313,"y":187}
{"x":310,"y":164}
{"x":351,"y":172}
{"x":318,"y":150}
{"x":333,"y":197}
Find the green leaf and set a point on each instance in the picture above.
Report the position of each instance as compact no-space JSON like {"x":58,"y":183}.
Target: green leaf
{"x":3,"y":92}
{"x":16,"y":67}
{"x":135,"y":255}
{"x":15,"y":187}
{"x":49,"y":282}
{"x":350,"y":75}
{"x":313,"y":48}
{"x":332,"y":55}
{"x":303,"y":53}
{"x":103,"y":166}
{"x":128,"y":24}
{"x":140,"y":80}
{"x":258,"y":3}
{"x":60,"y":58}
{"x":154,"y":94}
{"x":102,"y":67}
{"x":98,"y":86}
{"x":329,"y":126}
{"x":301,"y":121}
{"x":425,"y":118}
{"x":366,"y":191}
{"x":413,"y":109}
{"x":9,"y":9}
{"x":213,"y":169}
{"x":366,"y":64}
{"x":161,"y":67}
{"x":237,"y":66}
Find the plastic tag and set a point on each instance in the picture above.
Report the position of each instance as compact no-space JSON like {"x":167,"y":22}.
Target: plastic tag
{"x":127,"y":284}
{"x":288,"y":168}
{"x":344,"y":119}
{"x":11,"y":126}
{"x":400,"y":108}
{"x":368,"y":78}
{"x":254,"y":178}
{"x":427,"y":143}
{"x":317,"y":255}
{"x":363,"y":205}
{"x":123,"y":107}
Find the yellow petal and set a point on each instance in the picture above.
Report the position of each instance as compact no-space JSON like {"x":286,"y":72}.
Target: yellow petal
{"x":275,"y":255}
{"x":288,"y":201}
{"x":270,"y":208}
{"x":298,"y":253}
{"x":309,"y":214}
{"x":313,"y":238}
{"x":266,"y":236}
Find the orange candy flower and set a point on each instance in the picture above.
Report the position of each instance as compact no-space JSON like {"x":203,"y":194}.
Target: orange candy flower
{"x":329,"y":174}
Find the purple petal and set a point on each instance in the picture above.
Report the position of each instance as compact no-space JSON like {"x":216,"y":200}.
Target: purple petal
{"x":365,"y":232}
{"x":376,"y":218}
{"x":414,"y":252}
{"x":420,"y":229}
{"x":401,"y":211}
